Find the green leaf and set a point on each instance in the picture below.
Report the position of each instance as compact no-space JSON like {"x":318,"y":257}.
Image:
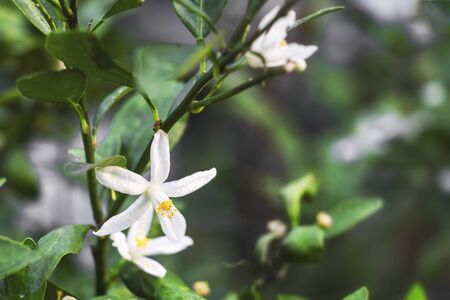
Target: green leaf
{"x":20,"y":173}
{"x":263,"y":247}
{"x":316,"y":15}
{"x":194,"y":22}
{"x":107,"y":104}
{"x":54,"y":86}
{"x":14,"y":256}
{"x":253,"y":6}
{"x":78,"y":168}
{"x":32,"y":12}
{"x":150,"y":287}
{"x":82,"y":50}
{"x":51,"y":248}
{"x":416,"y":292}
{"x":105,"y":298}
{"x":121,"y":6}
{"x":304,"y":244}
{"x":360,"y":294}
{"x":294,"y":192}
{"x":2,"y":181}
{"x":348,"y":213}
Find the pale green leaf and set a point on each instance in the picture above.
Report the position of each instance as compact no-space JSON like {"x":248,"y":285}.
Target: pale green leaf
{"x":360,"y":294}
{"x":416,"y":292}
{"x":304,"y":244}
{"x":121,"y":6}
{"x":347,"y":214}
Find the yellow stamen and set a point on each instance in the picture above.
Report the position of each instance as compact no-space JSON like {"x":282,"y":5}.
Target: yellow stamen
{"x":282,"y":44}
{"x":142,"y":241}
{"x":166,"y":209}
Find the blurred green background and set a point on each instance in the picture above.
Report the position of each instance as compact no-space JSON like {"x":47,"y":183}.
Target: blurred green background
{"x":369,"y":117}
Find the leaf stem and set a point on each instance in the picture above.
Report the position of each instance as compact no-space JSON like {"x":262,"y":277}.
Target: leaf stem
{"x":152,"y":106}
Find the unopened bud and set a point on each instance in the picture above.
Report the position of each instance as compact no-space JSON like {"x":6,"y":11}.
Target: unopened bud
{"x":277,"y":228}
{"x":201,"y":288}
{"x":197,"y":110}
{"x":324,"y":220}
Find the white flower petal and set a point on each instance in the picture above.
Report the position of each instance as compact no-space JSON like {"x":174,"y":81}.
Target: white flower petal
{"x":124,"y":220}
{"x":121,"y":180}
{"x":141,"y":227}
{"x":174,"y":227}
{"x":188,"y":184}
{"x":150,"y":266}
{"x":269,"y":17}
{"x":120,"y":242}
{"x":160,"y":157}
{"x":163,"y":245}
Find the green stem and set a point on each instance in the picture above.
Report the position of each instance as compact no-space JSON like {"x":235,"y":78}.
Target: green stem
{"x":99,"y":253}
{"x":236,"y":90}
{"x":152,"y":106}
{"x":45,"y":13}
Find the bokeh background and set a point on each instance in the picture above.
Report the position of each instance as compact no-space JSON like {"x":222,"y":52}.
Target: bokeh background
{"x":369,"y":117}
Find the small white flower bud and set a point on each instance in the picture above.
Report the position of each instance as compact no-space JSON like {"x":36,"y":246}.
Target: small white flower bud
{"x":201,"y":288}
{"x":277,"y":228}
{"x":324,"y":220}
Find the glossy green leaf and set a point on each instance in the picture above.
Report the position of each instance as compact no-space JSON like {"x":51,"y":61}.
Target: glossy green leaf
{"x":290,"y":297}
{"x":51,"y":248}
{"x":82,"y":50}
{"x":304,"y":244}
{"x":14,"y":256}
{"x":121,"y":6}
{"x":32,"y":12}
{"x":416,"y":292}
{"x":108,"y":103}
{"x":360,"y":294}
{"x":150,"y":287}
{"x":348,"y":213}
{"x":194,"y":22}
{"x":79,"y":168}
{"x":294,"y":192}
{"x":54,"y":86}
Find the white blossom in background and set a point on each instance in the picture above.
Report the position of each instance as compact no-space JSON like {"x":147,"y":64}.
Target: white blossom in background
{"x":274,"y":48}
{"x":136,"y":246}
{"x":420,"y":32}
{"x":389,"y":10}
{"x":155,"y":192}
{"x":443,"y":180}
{"x":373,"y":134}
{"x":433,"y":93}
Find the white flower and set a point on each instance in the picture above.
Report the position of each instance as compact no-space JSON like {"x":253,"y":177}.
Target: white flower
{"x":272,"y":45}
{"x":136,"y":246}
{"x":155,"y":192}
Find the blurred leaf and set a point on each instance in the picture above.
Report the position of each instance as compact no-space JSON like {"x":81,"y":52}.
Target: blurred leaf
{"x":78,"y":168}
{"x":20,"y":173}
{"x":262,"y":248}
{"x":32,"y":12}
{"x":304,"y":244}
{"x":360,"y":294}
{"x":150,"y":287}
{"x":294,"y":192}
{"x":348,"y":213}
{"x":121,"y":6}
{"x":290,"y":297}
{"x":108,"y":103}
{"x":82,"y":50}
{"x":194,"y":22}
{"x":316,"y":15}
{"x":105,"y":298}
{"x":416,"y":292}
{"x":54,"y":291}
{"x":158,"y":66}
{"x":254,"y":5}
{"x":14,"y":256}
{"x":50,"y":249}
{"x":54,"y":86}
{"x":2,"y":181}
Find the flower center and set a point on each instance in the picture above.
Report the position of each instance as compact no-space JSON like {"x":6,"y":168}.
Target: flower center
{"x":142,"y":241}
{"x":166,"y":209}
{"x":282,"y":44}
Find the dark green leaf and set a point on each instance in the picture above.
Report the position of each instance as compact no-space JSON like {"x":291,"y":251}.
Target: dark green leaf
{"x":82,"y":50}
{"x":294,"y":192}
{"x":14,"y":256}
{"x":360,"y":294}
{"x":20,"y":173}
{"x":150,"y":287}
{"x":349,"y":213}
{"x":78,"y":168}
{"x":32,"y":12}
{"x":107,"y":104}
{"x":122,"y":5}
{"x":304,"y":244}
{"x":194,"y":22}
{"x":253,"y":6}
{"x":416,"y":292}
{"x":54,"y":86}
